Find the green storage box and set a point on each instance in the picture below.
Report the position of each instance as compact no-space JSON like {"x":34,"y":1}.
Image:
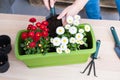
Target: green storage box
{"x":53,"y":58}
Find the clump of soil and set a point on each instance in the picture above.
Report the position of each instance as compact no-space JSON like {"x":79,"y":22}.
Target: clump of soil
{"x":53,"y":24}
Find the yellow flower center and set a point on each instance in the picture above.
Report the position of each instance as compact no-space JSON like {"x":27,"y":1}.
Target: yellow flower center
{"x":70,"y":20}
{"x":59,"y":50}
{"x":64,"y":40}
{"x":79,"y":36}
{"x":60,"y":30}
{"x":87,"y":28}
{"x":62,"y":46}
{"x":56,"y":41}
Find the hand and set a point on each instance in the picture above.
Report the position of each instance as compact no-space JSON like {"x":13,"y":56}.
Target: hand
{"x":69,"y":11}
{"x":46,"y":3}
{"x":72,"y":9}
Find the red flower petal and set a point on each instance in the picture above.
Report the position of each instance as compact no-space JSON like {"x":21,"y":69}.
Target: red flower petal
{"x":33,"y":28}
{"x":38,"y":24}
{"x":24,"y":35}
{"x":42,"y":27}
{"x":32,"y":20}
{"x":38,"y":34}
{"x":45,"y":34}
{"x":29,"y":27}
{"x":45,"y":23}
{"x":46,"y":29}
{"x":31,"y":34}
{"x":32,"y":44}
{"x":36,"y":39}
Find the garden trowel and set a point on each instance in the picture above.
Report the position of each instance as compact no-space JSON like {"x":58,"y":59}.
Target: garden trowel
{"x":53,"y":21}
{"x":117,"y":42}
{"x":52,"y":11}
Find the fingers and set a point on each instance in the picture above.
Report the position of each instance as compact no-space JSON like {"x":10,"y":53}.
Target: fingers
{"x":63,"y":14}
{"x":64,"y":21}
{"x":52,"y":2}
{"x":69,"y":11}
{"x":46,"y":3}
{"x":66,"y":12}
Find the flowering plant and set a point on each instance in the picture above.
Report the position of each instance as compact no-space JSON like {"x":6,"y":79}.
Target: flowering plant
{"x":36,"y":38}
{"x":71,"y":36}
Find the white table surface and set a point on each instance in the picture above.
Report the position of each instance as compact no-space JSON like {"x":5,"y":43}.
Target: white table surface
{"x":107,"y":65}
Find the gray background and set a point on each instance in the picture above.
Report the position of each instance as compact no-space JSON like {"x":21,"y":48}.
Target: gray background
{"x":24,"y":7}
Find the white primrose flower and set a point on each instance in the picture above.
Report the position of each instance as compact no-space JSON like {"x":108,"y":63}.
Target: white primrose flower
{"x":77,"y":17}
{"x":73,"y":30}
{"x":76,"y":22}
{"x":72,"y":40}
{"x":87,"y":28}
{"x":60,"y":30}
{"x":59,"y":50}
{"x":64,"y":40}
{"x":69,"y":19}
{"x":81,"y":30}
{"x":79,"y":36}
{"x":63,"y":46}
{"x":56,"y":41}
{"x":67,"y":51}
{"x":78,"y":41}
{"x":67,"y":26}
{"x":51,"y":40}
{"x":81,"y":42}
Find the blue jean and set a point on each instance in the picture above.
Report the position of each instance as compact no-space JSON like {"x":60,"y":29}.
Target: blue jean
{"x":118,"y":5}
{"x":93,"y":9}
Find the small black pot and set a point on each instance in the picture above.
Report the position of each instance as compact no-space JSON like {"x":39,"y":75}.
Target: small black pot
{"x":4,"y":64}
{"x":5,"y":44}
{"x":53,"y":24}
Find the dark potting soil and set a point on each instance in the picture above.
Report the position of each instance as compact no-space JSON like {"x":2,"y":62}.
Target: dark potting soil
{"x":53,"y":24}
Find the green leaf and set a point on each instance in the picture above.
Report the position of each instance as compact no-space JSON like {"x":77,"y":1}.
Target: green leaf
{"x":84,"y":39}
{"x":22,"y":45}
{"x":26,"y":52}
{"x":38,"y":50}
{"x":84,"y":34}
{"x":24,"y":48}
{"x":86,"y":45}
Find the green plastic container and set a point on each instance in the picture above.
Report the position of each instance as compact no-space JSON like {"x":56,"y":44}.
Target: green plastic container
{"x":53,"y":58}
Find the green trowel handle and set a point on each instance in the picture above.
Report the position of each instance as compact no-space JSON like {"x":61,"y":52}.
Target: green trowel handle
{"x":115,"y":35}
{"x":52,"y":10}
{"x":98,"y":42}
